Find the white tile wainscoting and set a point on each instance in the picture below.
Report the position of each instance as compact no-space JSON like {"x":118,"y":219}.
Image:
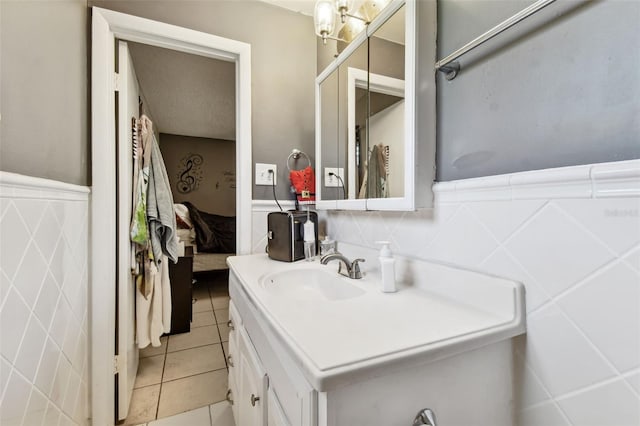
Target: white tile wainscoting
{"x":572,"y":236}
{"x":44,"y":375}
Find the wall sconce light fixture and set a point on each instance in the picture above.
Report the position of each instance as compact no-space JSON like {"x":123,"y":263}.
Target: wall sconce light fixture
{"x":324,"y":17}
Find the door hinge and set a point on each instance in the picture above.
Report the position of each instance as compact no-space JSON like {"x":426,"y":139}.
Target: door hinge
{"x":116,"y":82}
{"x":117,"y":361}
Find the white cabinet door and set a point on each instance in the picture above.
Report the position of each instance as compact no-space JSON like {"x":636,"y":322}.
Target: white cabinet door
{"x":275,"y":415}
{"x":233,"y":357}
{"x":296,"y":397}
{"x":250,"y":398}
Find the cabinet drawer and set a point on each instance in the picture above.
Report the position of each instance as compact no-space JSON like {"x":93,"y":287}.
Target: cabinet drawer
{"x":234,"y":315}
{"x":252,"y":395}
{"x":233,"y":356}
{"x":234,"y":325}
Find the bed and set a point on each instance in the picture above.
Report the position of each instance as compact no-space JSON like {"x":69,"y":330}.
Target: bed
{"x":212,"y":237}
{"x":204,"y":262}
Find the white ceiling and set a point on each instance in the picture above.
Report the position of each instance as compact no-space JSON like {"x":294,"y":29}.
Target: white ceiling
{"x":392,"y":30}
{"x":187,"y":94}
{"x":301,"y":6}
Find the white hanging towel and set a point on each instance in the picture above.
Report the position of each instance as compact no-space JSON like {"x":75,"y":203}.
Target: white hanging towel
{"x":153,"y":313}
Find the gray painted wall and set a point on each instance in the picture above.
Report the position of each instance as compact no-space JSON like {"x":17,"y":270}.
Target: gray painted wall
{"x":43,"y":81}
{"x":561,"y":88}
{"x":283,"y":69}
{"x":552,"y":91}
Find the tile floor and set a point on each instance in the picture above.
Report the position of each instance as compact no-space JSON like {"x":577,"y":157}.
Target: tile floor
{"x":188,"y":373}
{"x":218,"y":414}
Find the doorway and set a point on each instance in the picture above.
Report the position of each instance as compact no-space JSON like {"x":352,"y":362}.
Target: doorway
{"x":190,"y":100}
{"x":107,"y":26}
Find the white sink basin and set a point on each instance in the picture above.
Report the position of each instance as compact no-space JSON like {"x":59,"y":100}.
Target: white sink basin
{"x":438,"y":311}
{"x":310,"y":284}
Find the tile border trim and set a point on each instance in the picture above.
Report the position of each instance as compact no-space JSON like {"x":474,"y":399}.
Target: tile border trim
{"x":13,"y":185}
{"x":601,"y":180}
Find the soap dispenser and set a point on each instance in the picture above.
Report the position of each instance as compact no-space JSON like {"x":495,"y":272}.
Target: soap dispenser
{"x":387,"y":268}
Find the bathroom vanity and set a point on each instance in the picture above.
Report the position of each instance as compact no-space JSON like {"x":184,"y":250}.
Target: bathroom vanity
{"x":309,"y":347}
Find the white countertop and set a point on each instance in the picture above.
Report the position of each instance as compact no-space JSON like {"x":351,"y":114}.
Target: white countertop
{"x":442,"y":312}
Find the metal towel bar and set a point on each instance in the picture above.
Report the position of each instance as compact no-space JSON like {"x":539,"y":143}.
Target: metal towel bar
{"x":450,"y":66}
{"x":425,"y":417}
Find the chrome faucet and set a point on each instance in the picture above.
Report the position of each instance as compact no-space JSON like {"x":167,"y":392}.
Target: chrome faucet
{"x":353,"y":268}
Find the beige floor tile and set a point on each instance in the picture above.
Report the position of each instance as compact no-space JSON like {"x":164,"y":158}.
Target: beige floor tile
{"x":200,"y":319}
{"x":225,"y":348}
{"x":149,"y":371}
{"x":220,"y":302}
{"x":199,"y":336}
{"x":198,"y":417}
{"x":144,"y":404}
{"x":151,"y":351}
{"x":224,"y":331}
{"x":202,"y":304}
{"x":222,"y":315}
{"x":193,"y":361}
{"x":192,"y":392}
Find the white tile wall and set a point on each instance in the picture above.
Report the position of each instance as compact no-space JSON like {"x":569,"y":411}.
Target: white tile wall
{"x":43,"y":305}
{"x":579,"y":258}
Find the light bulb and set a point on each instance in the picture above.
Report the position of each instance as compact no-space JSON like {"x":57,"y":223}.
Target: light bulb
{"x":324,"y":18}
{"x":343,"y":7}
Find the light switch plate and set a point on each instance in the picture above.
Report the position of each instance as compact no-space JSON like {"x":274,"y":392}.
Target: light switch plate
{"x":332,"y":181}
{"x":263,"y":177}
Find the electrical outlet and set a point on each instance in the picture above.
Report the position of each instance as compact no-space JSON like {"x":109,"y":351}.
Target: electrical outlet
{"x":263,"y":177}
{"x":332,"y":180}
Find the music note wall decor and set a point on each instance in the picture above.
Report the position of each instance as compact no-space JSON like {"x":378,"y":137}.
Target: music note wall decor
{"x":189,"y":173}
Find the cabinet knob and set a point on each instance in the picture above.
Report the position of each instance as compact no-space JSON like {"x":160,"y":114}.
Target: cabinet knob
{"x":229,"y":396}
{"x":254,"y":399}
{"x":230,"y":325}
{"x":230,"y":361}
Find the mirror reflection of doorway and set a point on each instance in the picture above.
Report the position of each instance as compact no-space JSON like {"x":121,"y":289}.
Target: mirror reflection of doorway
{"x":386,"y":129}
{"x":375,"y":109}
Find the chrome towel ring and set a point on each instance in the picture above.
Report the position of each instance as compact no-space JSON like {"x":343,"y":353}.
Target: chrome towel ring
{"x":295,"y":155}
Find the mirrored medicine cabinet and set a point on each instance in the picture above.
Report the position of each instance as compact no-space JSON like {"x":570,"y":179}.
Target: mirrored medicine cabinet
{"x":375,"y":115}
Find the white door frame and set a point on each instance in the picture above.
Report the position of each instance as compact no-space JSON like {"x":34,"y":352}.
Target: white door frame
{"x":108,"y":25}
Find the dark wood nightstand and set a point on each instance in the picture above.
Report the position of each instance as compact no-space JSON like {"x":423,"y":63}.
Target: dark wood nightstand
{"x":181,"y":275}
